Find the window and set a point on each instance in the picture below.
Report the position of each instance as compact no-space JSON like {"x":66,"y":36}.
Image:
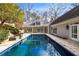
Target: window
{"x":38,"y":30}
{"x":74,"y":31}
{"x":55,"y":30}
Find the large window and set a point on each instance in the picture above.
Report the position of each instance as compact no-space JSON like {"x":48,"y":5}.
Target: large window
{"x":74,"y":31}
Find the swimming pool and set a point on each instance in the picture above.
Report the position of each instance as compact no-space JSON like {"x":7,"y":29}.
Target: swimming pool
{"x":37,"y":45}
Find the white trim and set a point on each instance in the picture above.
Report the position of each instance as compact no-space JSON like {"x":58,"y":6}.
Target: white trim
{"x":37,"y":26}
{"x":70,"y":31}
{"x":48,"y":28}
{"x":70,"y":21}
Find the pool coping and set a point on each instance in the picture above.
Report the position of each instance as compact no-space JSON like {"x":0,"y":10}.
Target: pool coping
{"x":8,"y":47}
{"x":56,"y":39}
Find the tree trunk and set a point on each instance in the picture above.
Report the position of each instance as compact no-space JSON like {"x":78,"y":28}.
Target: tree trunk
{"x":2,"y":22}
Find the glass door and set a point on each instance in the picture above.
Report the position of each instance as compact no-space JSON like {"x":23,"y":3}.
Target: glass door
{"x":74,"y":32}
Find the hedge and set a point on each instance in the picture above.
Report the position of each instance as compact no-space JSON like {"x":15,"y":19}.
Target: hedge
{"x":12,"y":30}
{"x":3,"y":34}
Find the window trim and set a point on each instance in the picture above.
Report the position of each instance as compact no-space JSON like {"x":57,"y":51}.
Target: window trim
{"x":70,"y":31}
{"x":73,"y":32}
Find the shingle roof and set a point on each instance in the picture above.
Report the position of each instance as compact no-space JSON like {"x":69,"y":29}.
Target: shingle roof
{"x":70,"y":14}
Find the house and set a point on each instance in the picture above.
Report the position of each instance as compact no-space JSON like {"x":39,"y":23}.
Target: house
{"x":67,"y":25}
{"x":32,"y":25}
{"x":36,"y":28}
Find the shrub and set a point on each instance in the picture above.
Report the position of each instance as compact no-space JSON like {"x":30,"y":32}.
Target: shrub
{"x":3,"y":34}
{"x":12,"y":38}
{"x":12,"y":30}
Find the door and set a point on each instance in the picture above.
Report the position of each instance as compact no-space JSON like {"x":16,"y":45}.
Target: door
{"x":74,"y":32}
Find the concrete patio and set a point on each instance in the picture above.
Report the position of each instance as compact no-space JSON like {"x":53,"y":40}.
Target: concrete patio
{"x":72,"y":46}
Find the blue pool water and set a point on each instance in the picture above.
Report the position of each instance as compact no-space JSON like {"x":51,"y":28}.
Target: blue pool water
{"x":37,"y":45}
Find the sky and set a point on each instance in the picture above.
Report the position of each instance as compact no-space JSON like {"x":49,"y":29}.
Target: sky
{"x":37,"y":6}
{"x":34,"y":6}
{"x":42,"y":7}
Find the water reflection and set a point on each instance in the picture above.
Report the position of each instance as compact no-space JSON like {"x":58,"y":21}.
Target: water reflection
{"x":41,"y":47}
{"x":34,"y":46}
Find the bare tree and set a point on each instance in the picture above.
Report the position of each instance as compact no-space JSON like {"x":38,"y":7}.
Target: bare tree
{"x":35,"y":16}
{"x":45,"y":17}
{"x":29,"y":8}
{"x":74,"y":4}
{"x":56,"y":10}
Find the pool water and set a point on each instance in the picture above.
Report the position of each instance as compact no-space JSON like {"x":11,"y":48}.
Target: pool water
{"x":36,"y":45}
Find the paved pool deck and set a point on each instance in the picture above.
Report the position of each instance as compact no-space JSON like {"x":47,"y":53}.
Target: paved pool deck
{"x":72,"y":46}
